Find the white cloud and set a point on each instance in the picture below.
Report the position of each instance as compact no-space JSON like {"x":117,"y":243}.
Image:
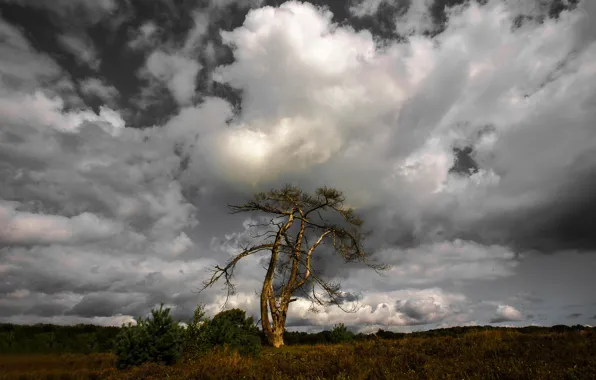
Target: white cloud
{"x":307,"y":82}
{"x":19,"y":293}
{"x":177,"y":72}
{"x":197,"y":33}
{"x":85,"y":195}
{"x":365,"y":7}
{"x":173,"y":66}
{"x":176,"y":65}
{"x":421,"y":310}
{"x":128,"y":270}
{"x":387,"y":310}
{"x":96,"y":87}
{"x":319,"y":88}
{"x":322,"y":105}
{"x":144,"y":37}
{"x":82,"y":49}
{"x":505,"y":313}
{"x":44,"y":111}
{"x":393,"y":308}
{"x":180,"y":244}
{"x":22,"y":67}
{"x":98,"y":199}
{"x":81,"y":190}
{"x":27,"y":228}
{"x":416,"y":19}
{"x":448,"y":261}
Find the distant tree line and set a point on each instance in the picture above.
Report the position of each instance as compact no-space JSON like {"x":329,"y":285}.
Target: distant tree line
{"x":87,"y":339}
{"x":53,"y":339}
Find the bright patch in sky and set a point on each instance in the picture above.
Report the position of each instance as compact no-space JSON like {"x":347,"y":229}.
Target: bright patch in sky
{"x":463,"y":135}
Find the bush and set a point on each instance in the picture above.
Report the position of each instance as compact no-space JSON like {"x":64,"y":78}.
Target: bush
{"x":196,"y":336}
{"x":340,"y":334}
{"x":157,"y":339}
{"x":228,"y":329}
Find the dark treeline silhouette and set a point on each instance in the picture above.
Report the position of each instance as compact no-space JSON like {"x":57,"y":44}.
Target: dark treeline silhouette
{"x":54,"y":339}
{"x":325,"y":337}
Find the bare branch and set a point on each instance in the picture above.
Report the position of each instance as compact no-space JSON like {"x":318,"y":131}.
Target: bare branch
{"x":228,"y":270}
{"x":332,"y":290}
{"x":308,"y":260}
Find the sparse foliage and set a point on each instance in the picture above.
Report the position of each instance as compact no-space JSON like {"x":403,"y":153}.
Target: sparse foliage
{"x":196,"y":335}
{"x":299,"y":224}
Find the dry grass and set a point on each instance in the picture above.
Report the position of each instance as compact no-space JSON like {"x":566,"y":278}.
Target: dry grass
{"x":478,"y":355}
{"x":68,"y":366}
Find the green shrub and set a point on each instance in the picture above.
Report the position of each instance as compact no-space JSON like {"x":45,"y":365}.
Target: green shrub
{"x":228,"y":329}
{"x":340,"y":334}
{"x":157,"y":339}
{"x":131,"y":346}
{"x":196,"y":336}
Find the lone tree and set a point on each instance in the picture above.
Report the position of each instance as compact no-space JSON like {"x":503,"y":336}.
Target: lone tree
{"x":298,"y":224}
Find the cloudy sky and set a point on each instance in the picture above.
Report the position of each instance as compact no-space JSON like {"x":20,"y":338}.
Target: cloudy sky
{"x":463,"y":132}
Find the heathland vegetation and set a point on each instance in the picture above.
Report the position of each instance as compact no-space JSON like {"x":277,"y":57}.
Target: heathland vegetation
{"x":229,"y":345}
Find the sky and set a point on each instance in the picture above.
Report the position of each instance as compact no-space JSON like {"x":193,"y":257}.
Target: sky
{"x":462,"y":132}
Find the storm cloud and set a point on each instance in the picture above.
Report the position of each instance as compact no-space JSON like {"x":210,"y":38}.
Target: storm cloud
{"x":461,"y":131}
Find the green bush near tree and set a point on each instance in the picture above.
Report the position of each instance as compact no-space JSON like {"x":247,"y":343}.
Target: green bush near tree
{"x":196,"y":337}
{"x":160,"y":339}
{"x":229,"y":329}
{"x":157,"y":339}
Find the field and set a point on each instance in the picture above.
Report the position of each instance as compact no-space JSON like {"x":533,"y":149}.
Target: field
{"x":493,"y":354}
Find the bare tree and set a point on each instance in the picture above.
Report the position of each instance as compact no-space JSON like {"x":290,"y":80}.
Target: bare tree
{"x":298,"y":224}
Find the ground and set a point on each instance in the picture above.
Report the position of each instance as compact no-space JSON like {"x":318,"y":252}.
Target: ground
{"x":478,"y":355}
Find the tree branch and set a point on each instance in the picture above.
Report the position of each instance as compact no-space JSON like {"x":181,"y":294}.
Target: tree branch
{"x":308,"y":260}
{"x":228,"y":270}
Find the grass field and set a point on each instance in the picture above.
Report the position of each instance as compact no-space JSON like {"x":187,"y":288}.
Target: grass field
{"x":477,"y":355}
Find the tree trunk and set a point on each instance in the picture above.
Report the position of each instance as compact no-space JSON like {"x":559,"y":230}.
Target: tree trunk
{"x":276,"y":338}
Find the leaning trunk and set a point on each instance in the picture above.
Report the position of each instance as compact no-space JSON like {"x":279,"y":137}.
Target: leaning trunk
{"x":274,"y":331}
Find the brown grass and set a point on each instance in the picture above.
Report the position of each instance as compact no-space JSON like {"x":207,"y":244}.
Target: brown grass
{"x":477,"y":355}
{"x":68,"y":366}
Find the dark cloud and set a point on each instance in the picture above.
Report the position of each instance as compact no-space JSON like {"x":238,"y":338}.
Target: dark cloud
{"x":463,"y":164}
{"x":381,"y":23}
{"x":561,"y":223}
{"x":109,"y":304}
{"x":128,"y":127}
{"x":528,"y":298}
{"x":438,"y":12}
{"x":77,"y":10}
{"x":48,"y":309}
{"x":416,"y":312}
{"x":10,"y":310}
{"x":423,"y":310}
